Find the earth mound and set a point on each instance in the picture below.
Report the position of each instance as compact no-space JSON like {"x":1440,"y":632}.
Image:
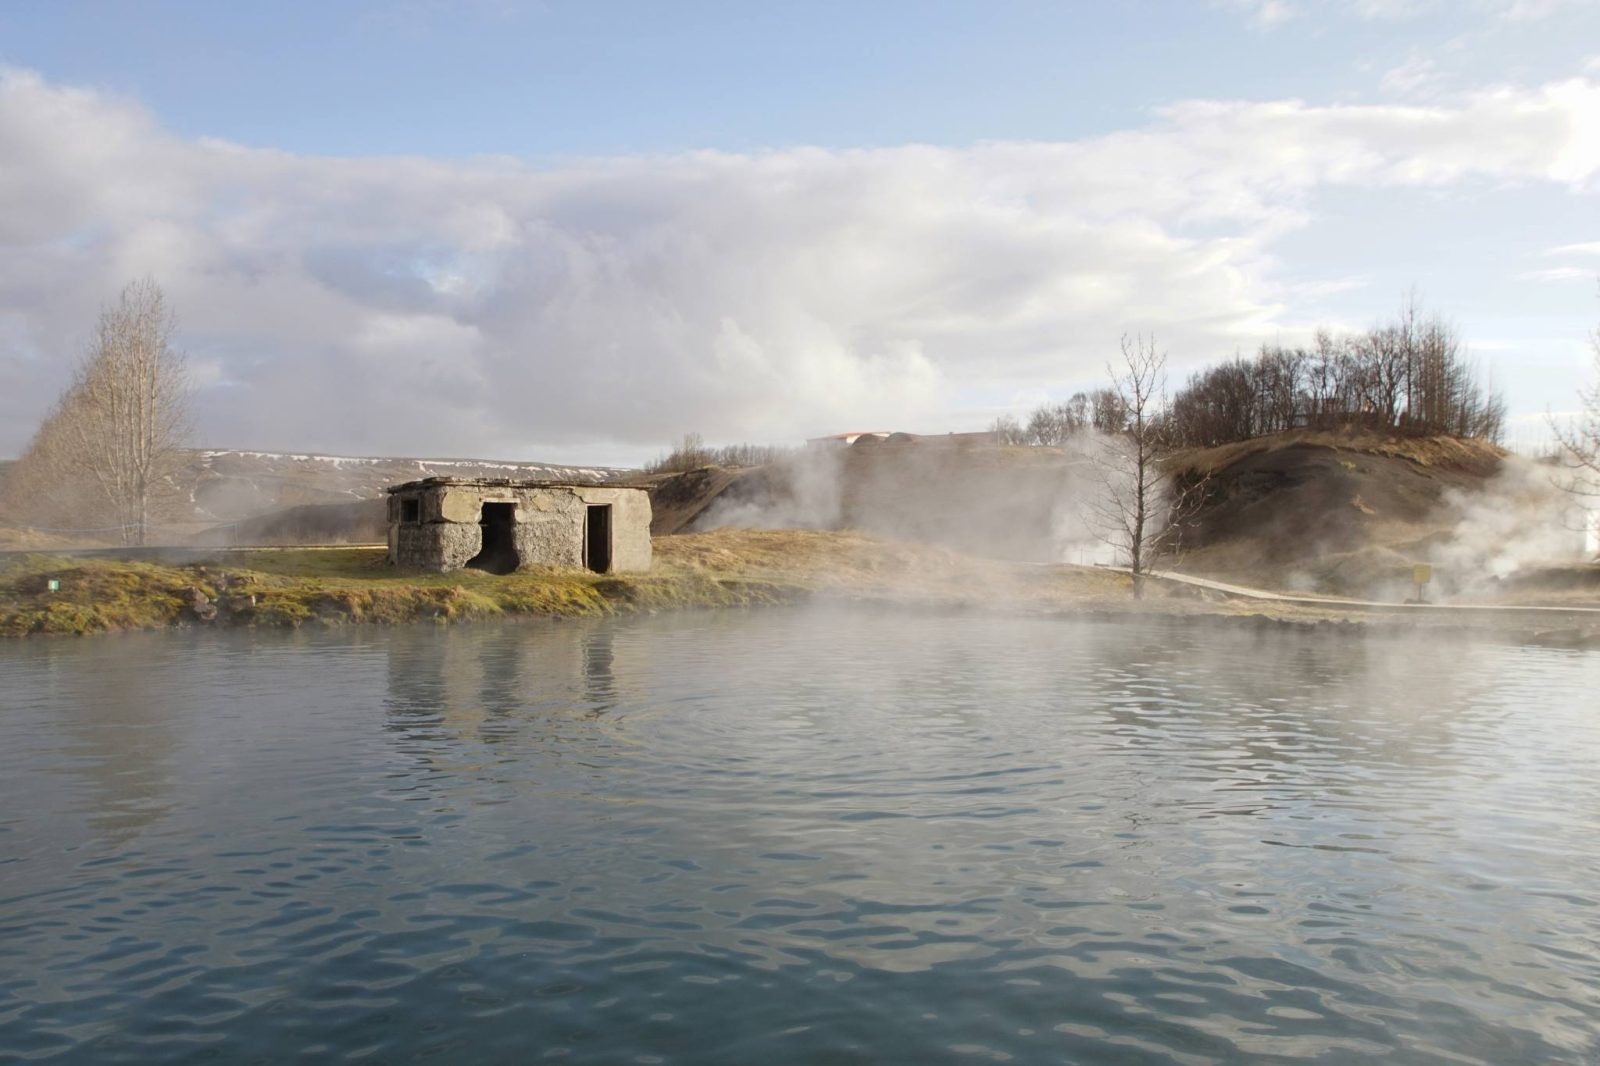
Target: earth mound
{"x":1352,"y":513}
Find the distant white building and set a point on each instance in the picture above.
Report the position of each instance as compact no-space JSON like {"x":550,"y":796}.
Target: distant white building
{"x":849,"y":438}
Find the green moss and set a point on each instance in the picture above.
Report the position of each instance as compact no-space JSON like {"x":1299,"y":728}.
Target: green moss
{"x":369,"y":563}
{"x":330,"y":588}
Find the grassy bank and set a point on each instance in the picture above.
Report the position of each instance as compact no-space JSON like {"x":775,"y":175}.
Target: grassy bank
{"x":356,"y":585}
{"x":726,"y":568}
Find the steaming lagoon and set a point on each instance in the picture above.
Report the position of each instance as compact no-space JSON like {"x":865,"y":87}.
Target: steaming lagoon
{"x":799,"y":836}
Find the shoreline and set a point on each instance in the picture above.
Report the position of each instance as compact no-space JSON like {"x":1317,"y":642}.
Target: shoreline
{"x":336,"y":587}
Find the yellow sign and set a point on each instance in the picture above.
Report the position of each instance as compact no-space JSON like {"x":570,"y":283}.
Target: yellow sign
{"x":1422,"y":573}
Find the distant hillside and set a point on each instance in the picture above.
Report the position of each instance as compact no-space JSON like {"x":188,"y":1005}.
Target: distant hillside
{"x":356,"y":522}
{"x":225,"y":486}
{"x":289,"y":498}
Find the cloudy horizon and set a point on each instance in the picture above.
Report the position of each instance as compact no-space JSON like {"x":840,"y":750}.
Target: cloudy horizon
{"x":593,"y":305}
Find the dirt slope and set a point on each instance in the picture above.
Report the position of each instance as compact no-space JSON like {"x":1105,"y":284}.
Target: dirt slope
{"x":1337,"y":512}
{"x":679,"y":502}
{"x":1334,"y":492}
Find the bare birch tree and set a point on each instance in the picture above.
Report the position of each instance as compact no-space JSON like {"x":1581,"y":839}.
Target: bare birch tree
{"x":1141,"y":507}
{"x":1580,"y":439}
{"x":125,"y":419}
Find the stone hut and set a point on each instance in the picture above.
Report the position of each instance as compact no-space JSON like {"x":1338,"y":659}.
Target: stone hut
{"x":446,"y":523}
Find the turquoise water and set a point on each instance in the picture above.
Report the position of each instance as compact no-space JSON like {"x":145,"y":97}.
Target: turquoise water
{"x":796,"y":836}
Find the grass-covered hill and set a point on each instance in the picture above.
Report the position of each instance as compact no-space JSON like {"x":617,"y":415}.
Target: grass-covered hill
{"x":1345,"y":512}
{"x":1351,"y":511}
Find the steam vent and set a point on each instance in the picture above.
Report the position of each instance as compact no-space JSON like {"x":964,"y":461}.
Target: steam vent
{"x":444,"y":523}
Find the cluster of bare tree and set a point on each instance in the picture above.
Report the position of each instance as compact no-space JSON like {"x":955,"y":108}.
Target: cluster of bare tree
{"x":691,"y":453}
{"x":104,"y":457}
{"x":1408,"y":376}
{"x":1054,"y":425}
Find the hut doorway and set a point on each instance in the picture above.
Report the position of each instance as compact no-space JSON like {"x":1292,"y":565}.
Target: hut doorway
{"x":597,"y":539}
{"x":499,"y":553}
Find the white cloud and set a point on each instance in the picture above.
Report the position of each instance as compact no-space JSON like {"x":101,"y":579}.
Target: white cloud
{"x":1584,"y":248}
{"x":412,"y":304}
{"x":1327,"y":287}
{"x":1531,"y":10}
{"x":1392,"y":10}
{"x":1267,"y":13}
{"x":1557,"y":274}
{"x":1270,"y":13}
{"x":1417,"y":76}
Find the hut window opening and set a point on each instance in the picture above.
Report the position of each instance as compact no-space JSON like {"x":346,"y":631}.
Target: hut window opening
{"x":410,"y":510}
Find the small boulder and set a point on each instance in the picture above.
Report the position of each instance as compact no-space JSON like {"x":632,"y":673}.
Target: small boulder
{"x":200,"y":605}
{"x":236,"y":602}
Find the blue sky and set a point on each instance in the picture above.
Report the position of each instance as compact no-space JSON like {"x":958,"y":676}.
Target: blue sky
{"x":546,"y":80}
{"x":598,"y":78}
{"x":578,"y":230}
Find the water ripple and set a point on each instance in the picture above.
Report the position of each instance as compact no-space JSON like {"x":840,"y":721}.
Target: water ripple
{"x":798,"y":837}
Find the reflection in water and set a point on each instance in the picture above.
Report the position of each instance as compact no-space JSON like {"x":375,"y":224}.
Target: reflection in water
{"x":478,"y":683}
{"x":600,"y":684}
{"x":802,"y":837}
{"x":117,"y":726}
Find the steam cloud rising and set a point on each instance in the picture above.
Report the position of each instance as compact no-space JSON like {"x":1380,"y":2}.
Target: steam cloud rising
{"x":1039,"y":505}
{"x":412,"y":305}
{"x":1521,"y":518}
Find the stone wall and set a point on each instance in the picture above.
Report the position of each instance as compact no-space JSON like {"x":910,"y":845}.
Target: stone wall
{"x":434,"y":545}
{"x":548,"y":528}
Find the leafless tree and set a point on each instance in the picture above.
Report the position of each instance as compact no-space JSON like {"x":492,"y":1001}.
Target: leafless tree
{"x":125,"y":419}
{"x":1409,"y":376}
{"x":692,"y":453}
{"x":1141,"y":508}
{"x":1057,"y":425}
{"x":1008,"y":430}
{"x":1579,"y":440}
